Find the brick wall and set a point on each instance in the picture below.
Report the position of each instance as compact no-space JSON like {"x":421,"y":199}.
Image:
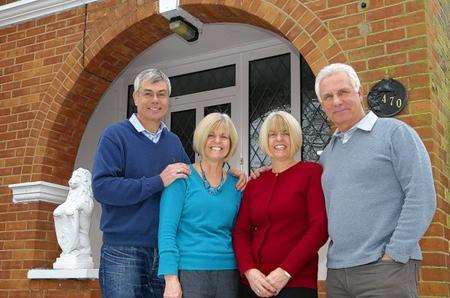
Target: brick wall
{"x":54,"y":70}
{"x":435,"y":273}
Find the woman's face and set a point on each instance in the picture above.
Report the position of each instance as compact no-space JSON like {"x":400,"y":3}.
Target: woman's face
{"x":217,"y":145}
{"x":279,"y":145}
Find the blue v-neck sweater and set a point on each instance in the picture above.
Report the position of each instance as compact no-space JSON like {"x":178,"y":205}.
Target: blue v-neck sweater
{"x":126,"y":182}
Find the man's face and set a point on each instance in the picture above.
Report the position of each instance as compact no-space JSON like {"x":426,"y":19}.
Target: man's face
{"x":152,"y":101}
{"x":340,"y":102}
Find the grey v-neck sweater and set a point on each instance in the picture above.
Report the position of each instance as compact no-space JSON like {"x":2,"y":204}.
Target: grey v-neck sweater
{"x":379,"y":193}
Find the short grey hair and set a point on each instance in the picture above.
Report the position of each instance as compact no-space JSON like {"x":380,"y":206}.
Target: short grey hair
{"x":151,"y":75}
{"x":335,"y":68}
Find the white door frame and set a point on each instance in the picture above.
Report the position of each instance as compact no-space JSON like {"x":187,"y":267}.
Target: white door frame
{"x":240,"y":57}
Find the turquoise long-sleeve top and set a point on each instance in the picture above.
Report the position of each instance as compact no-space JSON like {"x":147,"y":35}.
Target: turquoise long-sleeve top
{"x":195,"y":226}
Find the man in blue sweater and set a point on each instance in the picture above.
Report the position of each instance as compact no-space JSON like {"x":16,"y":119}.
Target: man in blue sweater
{"x":379,"y":194}
{"x":135,"y":160}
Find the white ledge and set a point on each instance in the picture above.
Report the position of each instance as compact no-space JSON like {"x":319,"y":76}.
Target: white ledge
{"x":63,"y":274}
{"x":39,"y":191}
{"x":24,"y":10}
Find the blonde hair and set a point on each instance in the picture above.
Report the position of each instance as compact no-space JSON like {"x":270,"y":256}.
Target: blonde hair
{"x":210,"y":123}
{"x":281,"y":121}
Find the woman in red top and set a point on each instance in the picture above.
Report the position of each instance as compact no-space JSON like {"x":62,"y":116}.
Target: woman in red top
{"x":282,"y":220}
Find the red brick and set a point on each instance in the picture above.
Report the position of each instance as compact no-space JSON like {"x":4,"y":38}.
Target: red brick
{"x":6,"y":62}
{"x":434,"y":244}
{"x":405,"y":20}
{"x":386,"y":36}
{"x":25,"y":58}
{"x":53,"y":60}
{"x":345,"y":21}
{"x":385,"y":12}
{"x":435,"y":274}
{"x":16,"y":36}
{"x":407,"y":44}
{"x":35,"y":31}
{"x":437,"y":289}
{"x":46,"y":36}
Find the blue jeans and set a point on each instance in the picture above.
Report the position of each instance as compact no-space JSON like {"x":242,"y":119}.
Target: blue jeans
{"x":130,"y":271}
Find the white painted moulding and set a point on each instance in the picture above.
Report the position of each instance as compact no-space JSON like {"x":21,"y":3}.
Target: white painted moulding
{"x":25,"y":10}
{"x":39,"y":191}
{"x":63,"y":274}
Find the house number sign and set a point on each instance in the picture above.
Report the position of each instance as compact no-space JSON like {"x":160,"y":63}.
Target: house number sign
{"x":387,"y":98}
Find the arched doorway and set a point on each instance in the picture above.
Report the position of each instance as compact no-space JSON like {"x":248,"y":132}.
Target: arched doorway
{"x":239,"y":69}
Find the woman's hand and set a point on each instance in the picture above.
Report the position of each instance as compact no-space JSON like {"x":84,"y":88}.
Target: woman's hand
{"x":259,"y":283}
{"x":173,"y":287}
{"x":278,"y":278}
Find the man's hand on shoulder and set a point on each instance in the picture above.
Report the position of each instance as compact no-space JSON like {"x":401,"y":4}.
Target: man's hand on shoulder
{"x":242,"y":178}
{"x":173,"y":172}
{"x":255,"y":173}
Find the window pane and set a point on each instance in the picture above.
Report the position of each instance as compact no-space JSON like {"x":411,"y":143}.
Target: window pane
{"x":316,"y":131}
{"x":205,"y":80}
{"x":269,"y":89}
{"x":223,"y":108}
{"x":183,"y":125}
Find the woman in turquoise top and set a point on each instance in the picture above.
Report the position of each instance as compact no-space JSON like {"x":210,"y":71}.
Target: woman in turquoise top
{"x":197,"y":216}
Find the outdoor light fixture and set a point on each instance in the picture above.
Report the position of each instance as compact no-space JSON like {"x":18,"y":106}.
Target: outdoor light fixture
{"x":183,"y":28}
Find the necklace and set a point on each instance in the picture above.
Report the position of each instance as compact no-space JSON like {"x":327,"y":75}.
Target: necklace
{"x":211,"y":189}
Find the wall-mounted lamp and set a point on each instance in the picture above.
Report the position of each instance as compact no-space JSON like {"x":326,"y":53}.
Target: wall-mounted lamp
{"x":183,"y":28}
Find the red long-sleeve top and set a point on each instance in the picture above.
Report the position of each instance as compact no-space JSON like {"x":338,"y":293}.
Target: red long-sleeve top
{"x":282,"y":223}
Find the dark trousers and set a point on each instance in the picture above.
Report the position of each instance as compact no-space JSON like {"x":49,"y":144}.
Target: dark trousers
{"x":209,"y":283}
{"x":247,"y":292}
{"x":127,"y":271}
{"x":387,"y":279}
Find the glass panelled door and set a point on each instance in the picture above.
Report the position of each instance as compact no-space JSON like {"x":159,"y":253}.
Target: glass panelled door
{"x":185,"y":116}
{"x":269,"y":90}
{"x":182,"y":123}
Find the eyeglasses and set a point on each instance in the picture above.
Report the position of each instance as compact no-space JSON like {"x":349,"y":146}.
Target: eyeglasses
{"x":149,"y":94}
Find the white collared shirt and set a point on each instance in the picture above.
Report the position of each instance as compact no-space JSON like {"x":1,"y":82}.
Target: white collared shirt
{"x":153,"y":136}
{"x":366,"y":123}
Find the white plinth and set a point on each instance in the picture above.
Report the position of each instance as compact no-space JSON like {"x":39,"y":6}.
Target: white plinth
{"x":63,"y":274}
{"x":71,"y":262}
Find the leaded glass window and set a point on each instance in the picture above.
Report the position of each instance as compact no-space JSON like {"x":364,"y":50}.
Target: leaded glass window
{"x":222,"y":108}
{"x":131,"y":107}
{"x":200,"y":81}
{"x":316,"y":131}
{"x":182,"y":123}
{"x":269,"y":89}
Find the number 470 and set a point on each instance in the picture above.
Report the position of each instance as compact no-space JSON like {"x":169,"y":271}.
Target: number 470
{"x":391,"y":101}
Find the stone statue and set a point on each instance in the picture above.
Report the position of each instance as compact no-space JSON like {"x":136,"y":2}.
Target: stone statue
{"x":72,"y":223}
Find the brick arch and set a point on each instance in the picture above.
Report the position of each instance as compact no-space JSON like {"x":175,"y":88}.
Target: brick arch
{"x":112,"y":43}
{"x":292,"y":20}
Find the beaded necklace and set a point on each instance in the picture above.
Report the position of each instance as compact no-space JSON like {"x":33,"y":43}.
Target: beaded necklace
{"x":211,"y":189}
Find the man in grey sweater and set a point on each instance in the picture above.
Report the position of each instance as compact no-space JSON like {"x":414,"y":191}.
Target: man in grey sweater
{"x":379,"y":193}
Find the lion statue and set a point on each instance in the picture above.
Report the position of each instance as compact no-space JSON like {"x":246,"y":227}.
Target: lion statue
{"x":72,"y":223}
